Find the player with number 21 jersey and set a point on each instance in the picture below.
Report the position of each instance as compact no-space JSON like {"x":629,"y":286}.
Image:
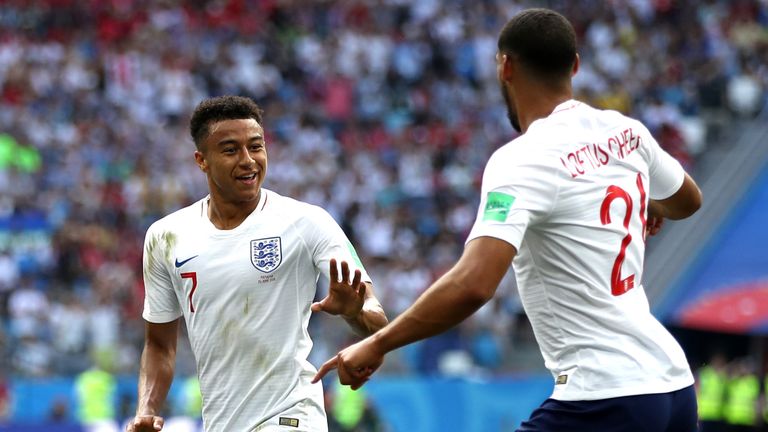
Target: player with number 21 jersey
{"x":571,"y":196}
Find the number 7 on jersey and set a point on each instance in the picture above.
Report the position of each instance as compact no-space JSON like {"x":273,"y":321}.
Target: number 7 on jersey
{"x":193,"y":276}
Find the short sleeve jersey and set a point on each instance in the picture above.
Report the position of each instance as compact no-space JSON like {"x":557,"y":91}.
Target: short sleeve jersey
{"x":245,"y":295}
{"x":571,"y":196}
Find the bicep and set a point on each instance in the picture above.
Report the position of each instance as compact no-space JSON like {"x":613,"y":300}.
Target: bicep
{"x":684,"y":202}
{"x":484,"y":263}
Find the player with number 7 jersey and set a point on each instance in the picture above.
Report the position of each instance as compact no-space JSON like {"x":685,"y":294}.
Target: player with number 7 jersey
{"x":241,"y":268}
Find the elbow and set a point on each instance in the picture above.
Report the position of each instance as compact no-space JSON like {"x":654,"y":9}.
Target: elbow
{"x":479,"y":295}
{"x":687,"y":200}
{"x":692,"y":205}
{"x":696,"y":202}
{"x":681,"y":206}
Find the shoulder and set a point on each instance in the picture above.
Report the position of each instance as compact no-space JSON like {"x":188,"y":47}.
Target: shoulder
{"x":574,"y":116}
{"x":286,"y":205}
{"x":610,"y":119}
{"x":178,"y":219}
{"x":529,"y":149}
{"x":289,"y":208}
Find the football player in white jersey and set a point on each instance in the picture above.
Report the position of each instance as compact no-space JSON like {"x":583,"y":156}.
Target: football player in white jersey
{"x":571,"y":201}
{"x":241,"y":267}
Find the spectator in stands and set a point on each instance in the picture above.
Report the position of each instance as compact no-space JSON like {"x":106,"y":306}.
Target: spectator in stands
{"x":742,"y":394}
{"x":711,"y":382}
{"x":351,"y":411}
{"x":81,"y":84}
{"x":5,"y":398}
{"x":745,"y":92}
{"x":96,"y":394}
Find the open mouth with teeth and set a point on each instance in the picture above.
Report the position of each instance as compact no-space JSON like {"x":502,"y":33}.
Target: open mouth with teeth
{"x":249,"y":178}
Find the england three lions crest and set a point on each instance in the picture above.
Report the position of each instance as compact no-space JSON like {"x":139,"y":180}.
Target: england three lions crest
{"x":266,"y":254}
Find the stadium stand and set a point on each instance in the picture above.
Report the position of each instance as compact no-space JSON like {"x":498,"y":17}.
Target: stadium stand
{"x":381,"y":111}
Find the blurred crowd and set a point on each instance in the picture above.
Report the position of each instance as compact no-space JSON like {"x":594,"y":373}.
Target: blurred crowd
{"x":731,"y":395}
{"x":381,"y":111}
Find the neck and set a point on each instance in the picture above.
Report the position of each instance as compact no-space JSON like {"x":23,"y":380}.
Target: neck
{"x":226,"y":215}
{"x":537,"y":100}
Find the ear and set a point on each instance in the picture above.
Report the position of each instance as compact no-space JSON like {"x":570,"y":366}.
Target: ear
{"x":575,"y":68}
{"x":508,"y":67}
{"x":202,"y":163}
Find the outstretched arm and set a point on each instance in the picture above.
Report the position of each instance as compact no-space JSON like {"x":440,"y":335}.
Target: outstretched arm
{"x":450,"y":300}
{"x":355,"y":301}
{"x":157,"y":366}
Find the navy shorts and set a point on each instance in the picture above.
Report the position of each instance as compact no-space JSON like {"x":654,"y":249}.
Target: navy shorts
{"x":664,"y":412}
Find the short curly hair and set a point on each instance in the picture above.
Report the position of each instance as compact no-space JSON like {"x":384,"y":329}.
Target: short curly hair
{"x":543,"y":41}
{"x":216,"y":109}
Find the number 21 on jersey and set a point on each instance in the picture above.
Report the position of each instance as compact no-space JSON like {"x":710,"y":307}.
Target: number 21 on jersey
{"x":621,"y":285}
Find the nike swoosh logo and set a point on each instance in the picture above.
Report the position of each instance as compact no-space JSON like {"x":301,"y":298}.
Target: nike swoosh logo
{"x":181,"y":263}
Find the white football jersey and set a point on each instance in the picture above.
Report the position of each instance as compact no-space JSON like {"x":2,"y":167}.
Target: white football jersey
{"x":245,"y":295}
{"x":571,"y":195}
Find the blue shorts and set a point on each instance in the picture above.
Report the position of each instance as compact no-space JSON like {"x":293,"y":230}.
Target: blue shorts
{"x":663,"y":412}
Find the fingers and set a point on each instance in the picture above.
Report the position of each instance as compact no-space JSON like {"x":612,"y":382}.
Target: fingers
{"x":356,"y":282}
{"x":658,"y":225}
{"x":354,"y":377}
{"x":654,"y":225}
{"x":361,"y":292}
{"x":345,"y":272}
{"x":316,"y":306}
{"x":145,"y":423}
{"x":334,"y":271}
{"x":328,"y":366}
{"x":356,"y":279}
{"x":359,"y":384}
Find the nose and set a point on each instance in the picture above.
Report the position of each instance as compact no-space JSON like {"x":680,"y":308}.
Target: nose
{"x":245,"y":157}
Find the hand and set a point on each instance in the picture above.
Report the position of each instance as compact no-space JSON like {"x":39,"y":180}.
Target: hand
{"x":145,"y":423}
{"x":343,"y":298}
{"x":655,"y":218}
{"x":653,"y":226}
{"x":355,"y":364}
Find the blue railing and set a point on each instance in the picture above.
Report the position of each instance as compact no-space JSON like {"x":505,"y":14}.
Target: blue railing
{"x":404,"y":403}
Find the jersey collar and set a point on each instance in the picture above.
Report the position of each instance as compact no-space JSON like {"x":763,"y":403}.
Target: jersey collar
{"x":569,"y":104}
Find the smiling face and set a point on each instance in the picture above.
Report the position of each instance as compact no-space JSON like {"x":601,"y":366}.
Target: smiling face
{"x":234,"y":158}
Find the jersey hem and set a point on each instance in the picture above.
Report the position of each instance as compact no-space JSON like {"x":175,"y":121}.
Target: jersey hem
{"x":672,"y":190}
{"x":624,"y":391}
{"x":501,"y":234}
{"x":160,"y":318}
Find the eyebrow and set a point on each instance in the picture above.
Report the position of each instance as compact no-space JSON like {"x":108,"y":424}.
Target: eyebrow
{"x":226,"y":141}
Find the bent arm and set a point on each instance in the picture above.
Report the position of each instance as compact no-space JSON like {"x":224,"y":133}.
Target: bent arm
{"x":157,"y":366}
{"x":455,"y":296}
{"x":682,"y":204}
{"x":371,"y":317}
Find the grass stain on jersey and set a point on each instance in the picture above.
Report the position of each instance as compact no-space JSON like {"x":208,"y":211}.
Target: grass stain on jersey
{"x":167,"y":240}
{"x":246,"y":306}
{"x":228,"y":329}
